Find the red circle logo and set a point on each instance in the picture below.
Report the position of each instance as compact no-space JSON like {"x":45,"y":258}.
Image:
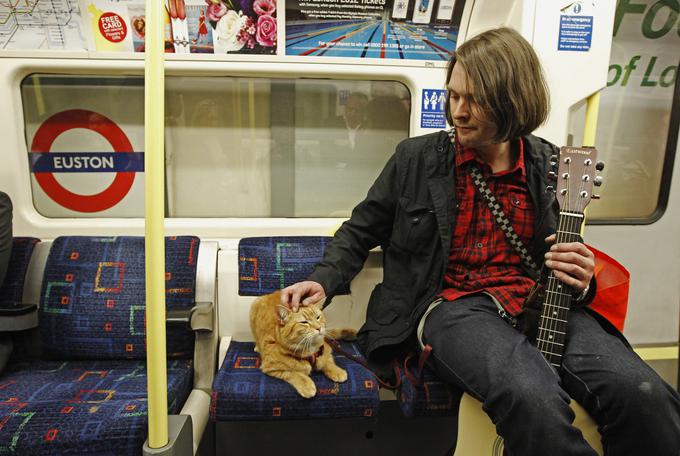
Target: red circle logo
{"x":81,"y":118}
{"x":112,"y":27}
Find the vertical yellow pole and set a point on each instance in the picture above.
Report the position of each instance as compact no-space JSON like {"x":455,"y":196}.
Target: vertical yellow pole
{"x":154,"y":90}
{"x":592,"y":109}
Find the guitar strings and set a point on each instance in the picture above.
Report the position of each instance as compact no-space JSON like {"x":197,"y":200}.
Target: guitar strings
{"x":566,"y":232}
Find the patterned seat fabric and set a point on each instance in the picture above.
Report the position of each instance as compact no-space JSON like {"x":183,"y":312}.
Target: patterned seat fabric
{"x":81,"y":407}
{"x":93,"y":308}
{"x":433,"y":397}
{"x":12,"y":289}
{"x":268,"y":264}
{"x":242,"y":392}
{"x":93,"y":296}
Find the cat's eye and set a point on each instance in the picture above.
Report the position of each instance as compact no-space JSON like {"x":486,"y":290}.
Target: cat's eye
{"x":305,"y":322}
{"x":318,"y":317}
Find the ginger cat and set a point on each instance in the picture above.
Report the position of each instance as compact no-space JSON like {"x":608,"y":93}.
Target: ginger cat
{"x":292,"y":344}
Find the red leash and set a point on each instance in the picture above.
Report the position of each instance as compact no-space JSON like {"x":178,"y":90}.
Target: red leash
{"x":359,"y":359}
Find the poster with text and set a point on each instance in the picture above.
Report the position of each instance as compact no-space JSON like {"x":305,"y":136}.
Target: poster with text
{"x":385,"y":29}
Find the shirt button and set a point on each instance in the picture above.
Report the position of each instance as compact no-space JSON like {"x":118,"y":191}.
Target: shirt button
{"x":480,"y":245}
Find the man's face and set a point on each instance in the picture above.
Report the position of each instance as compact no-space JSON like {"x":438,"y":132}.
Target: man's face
{"x":355,"y":110}
{"x":473,"y":129}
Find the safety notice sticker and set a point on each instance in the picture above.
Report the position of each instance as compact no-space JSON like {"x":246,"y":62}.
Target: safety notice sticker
{"x":576,"y":33}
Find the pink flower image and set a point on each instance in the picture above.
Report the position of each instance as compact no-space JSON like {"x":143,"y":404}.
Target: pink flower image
{"x":264,"y":7}
{"x":215,"y":10}
{"x":266,"y":30}
{"x":245,"y":35}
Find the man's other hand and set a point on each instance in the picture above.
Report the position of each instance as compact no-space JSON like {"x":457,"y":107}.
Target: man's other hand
{"x":572,"y":262}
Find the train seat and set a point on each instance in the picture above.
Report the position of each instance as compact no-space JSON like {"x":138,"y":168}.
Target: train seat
{"x":15,"y":313}
{"x":422,"y":393}
{"x":240,"y":390}
{"x":87,"y":393}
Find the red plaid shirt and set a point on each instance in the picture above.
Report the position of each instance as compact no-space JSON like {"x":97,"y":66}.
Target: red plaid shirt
{"x":481,"y":258}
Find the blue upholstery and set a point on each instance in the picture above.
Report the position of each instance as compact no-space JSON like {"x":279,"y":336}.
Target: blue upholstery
{"x":242,"y":392}
{"x":81,"y":407}
{"x":91,"y":399}
{"x":433,"y":397}
{"x":12,"y":289}
{"x":268,"y":264}
{"x":93,"y":297}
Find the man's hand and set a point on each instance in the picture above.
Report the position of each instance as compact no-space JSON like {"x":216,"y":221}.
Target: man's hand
{"x":302,"y":293}
{"x":571,"y":262}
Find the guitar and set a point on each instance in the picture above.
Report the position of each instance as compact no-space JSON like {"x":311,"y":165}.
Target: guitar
{"x":574,"y":173}
{"x":575,"y":178}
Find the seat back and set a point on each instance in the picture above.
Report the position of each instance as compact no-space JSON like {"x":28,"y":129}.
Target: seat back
{"x":267,"y":264}
{"x":93,"y":297}
{"x":12,"y":289}
{"x":259,"y":265}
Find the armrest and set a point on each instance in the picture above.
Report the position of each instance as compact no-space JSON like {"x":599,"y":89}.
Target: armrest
{"x":19,"y":318}
{"x":199,"y":318}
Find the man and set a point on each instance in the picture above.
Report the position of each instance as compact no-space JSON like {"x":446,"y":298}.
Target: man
{"x":352,"y":120}
{"x":5,"y":234}
{"x":440,"y":240}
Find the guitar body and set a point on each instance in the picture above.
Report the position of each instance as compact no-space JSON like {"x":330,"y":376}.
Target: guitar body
{"x":549,"y":306}
{"x":477,"y":434}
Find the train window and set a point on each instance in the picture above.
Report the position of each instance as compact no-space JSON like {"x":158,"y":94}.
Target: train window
{"x":234,"y":147}
{"x":635,"y":114}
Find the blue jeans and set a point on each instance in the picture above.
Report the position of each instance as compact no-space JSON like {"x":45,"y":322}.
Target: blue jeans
{"x":636,"y":411}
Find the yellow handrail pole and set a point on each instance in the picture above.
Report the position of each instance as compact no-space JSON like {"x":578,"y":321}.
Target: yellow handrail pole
{"x":154,"y":108}
{"x":592,"y":109}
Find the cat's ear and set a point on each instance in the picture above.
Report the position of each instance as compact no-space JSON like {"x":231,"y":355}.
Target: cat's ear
{"x":282,"y":314}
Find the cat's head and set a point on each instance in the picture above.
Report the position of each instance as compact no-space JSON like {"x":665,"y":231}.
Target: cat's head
{"x":303,"y":329}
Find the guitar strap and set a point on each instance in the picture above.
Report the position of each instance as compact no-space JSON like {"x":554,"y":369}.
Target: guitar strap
{"x":501,"y":219}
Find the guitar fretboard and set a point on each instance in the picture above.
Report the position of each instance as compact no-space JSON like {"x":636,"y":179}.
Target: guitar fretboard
{"x":552,"y":326}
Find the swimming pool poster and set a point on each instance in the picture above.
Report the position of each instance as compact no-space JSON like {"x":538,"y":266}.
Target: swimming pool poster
{"x":383,"y":29}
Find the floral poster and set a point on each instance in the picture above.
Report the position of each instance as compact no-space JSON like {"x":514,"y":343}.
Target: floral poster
{"x":242,"y":26}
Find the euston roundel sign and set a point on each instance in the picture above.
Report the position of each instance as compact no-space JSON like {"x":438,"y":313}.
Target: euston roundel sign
{"x":81,"y":118}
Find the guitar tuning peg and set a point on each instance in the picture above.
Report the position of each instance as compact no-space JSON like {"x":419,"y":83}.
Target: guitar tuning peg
{"x":597,"y":181}
{"x":599,"y":166}
{"x":553,"y":158}
{"x":552,"y":175}
{"x":550,"y":188}
{"x":595,"y":197}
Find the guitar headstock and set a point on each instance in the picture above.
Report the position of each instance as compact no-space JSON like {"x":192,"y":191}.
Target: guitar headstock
{"x":575,"y":176}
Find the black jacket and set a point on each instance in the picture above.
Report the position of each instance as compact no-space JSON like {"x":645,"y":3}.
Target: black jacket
{"x":410,"y":211}
{"x":5,"y":233}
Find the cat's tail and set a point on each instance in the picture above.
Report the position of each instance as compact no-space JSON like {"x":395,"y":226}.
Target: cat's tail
{"x":341,"y":334}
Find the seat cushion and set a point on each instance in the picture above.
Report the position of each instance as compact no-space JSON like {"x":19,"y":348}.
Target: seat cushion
{"x":242,"y":392}
{"x":81,"y":407}
{"x":433,"y":397}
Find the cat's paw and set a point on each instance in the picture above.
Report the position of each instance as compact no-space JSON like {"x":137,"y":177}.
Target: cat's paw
{"x":306,"y":389}
{"x":337,"y":374}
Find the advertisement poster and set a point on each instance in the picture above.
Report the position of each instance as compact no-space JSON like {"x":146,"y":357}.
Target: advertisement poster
{"x":385,"y":29}
{"x":191,"y":26}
